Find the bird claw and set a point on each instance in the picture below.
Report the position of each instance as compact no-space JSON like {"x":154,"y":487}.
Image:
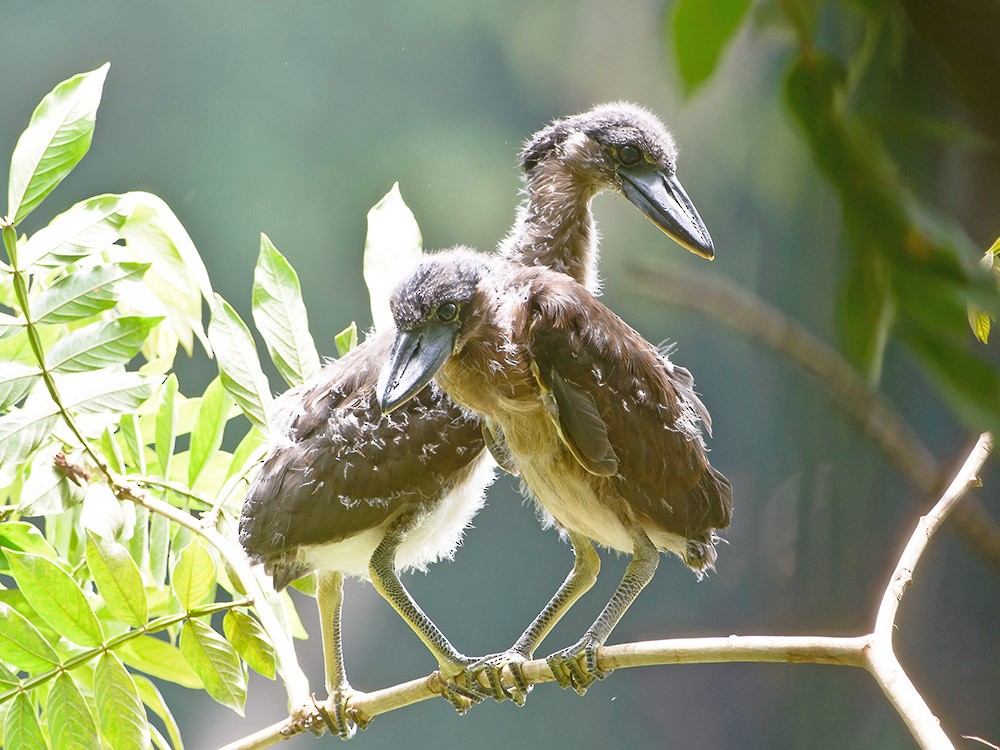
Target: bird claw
{"x":463,"y":694}
{"x":333,"y":714}
{"x":492,"y":667}
{"x":567,"y":668}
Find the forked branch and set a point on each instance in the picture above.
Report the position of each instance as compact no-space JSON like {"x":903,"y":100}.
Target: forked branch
{"x":874,"y":651}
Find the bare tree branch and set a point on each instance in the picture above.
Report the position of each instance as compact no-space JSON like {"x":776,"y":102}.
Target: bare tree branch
{"x":873,"y":652}
{"x":745,"y":312}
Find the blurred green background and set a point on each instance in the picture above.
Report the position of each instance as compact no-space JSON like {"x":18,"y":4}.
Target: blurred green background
{"x":294,"y":118}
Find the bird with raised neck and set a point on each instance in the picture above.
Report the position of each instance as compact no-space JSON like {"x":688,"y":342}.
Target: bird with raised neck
{"x":344,"y":490}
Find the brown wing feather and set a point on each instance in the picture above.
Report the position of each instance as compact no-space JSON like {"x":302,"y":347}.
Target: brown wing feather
{"x":645,"y":403}
{"x":341,"y":467}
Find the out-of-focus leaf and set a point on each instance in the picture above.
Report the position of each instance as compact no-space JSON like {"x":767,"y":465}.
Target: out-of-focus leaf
{"x":22,"y":536}
{"x":166,"y":417}
{"x":131,"y":433}
{"x":159,"y":659}
{"x":867,"y":314}
{"x":55,"y":596}
{"x":193,"y":577}
{"x":112,"y":452}
{"x":239,"y":366}
{"x":216,"y":663}
{"x":22,"y":645}
{"x":16,"y":380}
{"x":8,"y":678}
{"x":152,"y":698}
{"x":347,"y":339}
{"x":86,"y":228}
{"x":57,"y":137}
{"x":392,"y":249}
{"x":21,"y":728}
{"x":979,"y":319}
{"x":206,"y":437}
{"x":84,"y":293}
{"x":280,"y":316}
{"x":101,"y":392}
{"x":177,"y":277}
{"x":249,"y":640}
{"x":71,"y":725}
{"x":970,"y":384}
{"x":701,"y":30}
{"x":101,"y":344}
{"x":159,"y":547}
{"x":21,"y":432}
{"x":118,"y":580}
{"x":246,"y":451}
{"x":47,"y":489}
{"x":123,"y":719}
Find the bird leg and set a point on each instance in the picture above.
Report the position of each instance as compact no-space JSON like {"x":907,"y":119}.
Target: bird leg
{"x":586,"y":565}
{"x":330,"y":596}
{"x":566,"y":664}
{"x":451,"y":662}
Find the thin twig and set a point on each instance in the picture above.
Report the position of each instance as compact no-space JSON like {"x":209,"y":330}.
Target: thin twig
{"x":873,"y":652}
{"x":882,"y":661}
{"x":745,"y":312}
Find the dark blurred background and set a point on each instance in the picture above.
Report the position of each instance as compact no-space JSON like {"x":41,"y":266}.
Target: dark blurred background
{"x":294,"y":118}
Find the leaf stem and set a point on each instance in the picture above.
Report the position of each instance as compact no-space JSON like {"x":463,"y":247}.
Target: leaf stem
{"x":153,"y":626}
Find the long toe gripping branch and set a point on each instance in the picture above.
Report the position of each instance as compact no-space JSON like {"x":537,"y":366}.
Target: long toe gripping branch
{"x":566,"y":664}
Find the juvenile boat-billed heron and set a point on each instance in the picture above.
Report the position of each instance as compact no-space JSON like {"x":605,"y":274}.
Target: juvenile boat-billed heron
{"x":604,"y":430}
{"x":346,"y":491}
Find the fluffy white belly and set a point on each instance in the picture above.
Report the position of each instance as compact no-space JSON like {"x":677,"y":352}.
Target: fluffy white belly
{"x":435,"y":535}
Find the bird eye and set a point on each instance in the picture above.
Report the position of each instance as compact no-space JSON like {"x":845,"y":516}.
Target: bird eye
{"x":447,"y":312}
{"x":629,"y":156}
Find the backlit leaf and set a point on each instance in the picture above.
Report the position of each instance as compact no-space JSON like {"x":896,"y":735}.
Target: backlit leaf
{"x":57,"y":137}
{"x":152,"y":698}
{"x":118,"y":579}
{"x":84,"y":293}
{"x":160,"y":659}
{"x":206,"y":437}
{"x":101,"y":344}
{"x":55,"y":596}
{"x":392,"y":249}
{"x":239,"y":366}
{"x":249,"y":640}
{"x":21,"y":728}
{"x":71,"y":724}
{"x":216,"y":663}
{"x":22,"y":645}
{"x":701,"y":30}
{"x":193,"y":577}
{"x":280,"y":316}
{"x":123,"y":719}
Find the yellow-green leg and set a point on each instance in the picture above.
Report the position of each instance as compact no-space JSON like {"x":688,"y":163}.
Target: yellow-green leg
{"x":451,"y":662}
{"x":330,"y":598}
{"x":566,"y":664}
{"x":586,"y":566}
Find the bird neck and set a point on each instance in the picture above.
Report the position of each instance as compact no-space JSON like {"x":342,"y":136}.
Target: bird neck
{"x":555,"y":225}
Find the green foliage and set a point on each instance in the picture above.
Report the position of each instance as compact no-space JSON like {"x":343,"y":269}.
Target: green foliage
{"x":700,"y":31}
{"x":908,"y":273}
{"x":280,"y":316}
{"x":392,"y":247}
{"x":96,"y":304}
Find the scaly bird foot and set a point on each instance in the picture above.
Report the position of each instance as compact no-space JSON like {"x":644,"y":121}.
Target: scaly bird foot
{"x":576,"y":667}
{"x":333,"y":714}
{"x":492,"y":667}
{"x":458,"y":689}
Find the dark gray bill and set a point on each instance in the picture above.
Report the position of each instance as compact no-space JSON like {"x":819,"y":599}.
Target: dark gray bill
{"x":415,"y":358}
{"x":662,"y":199}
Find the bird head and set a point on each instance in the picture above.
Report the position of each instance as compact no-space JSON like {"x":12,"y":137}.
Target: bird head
{"x":622,"y":147}
{"x":434,"y":310}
